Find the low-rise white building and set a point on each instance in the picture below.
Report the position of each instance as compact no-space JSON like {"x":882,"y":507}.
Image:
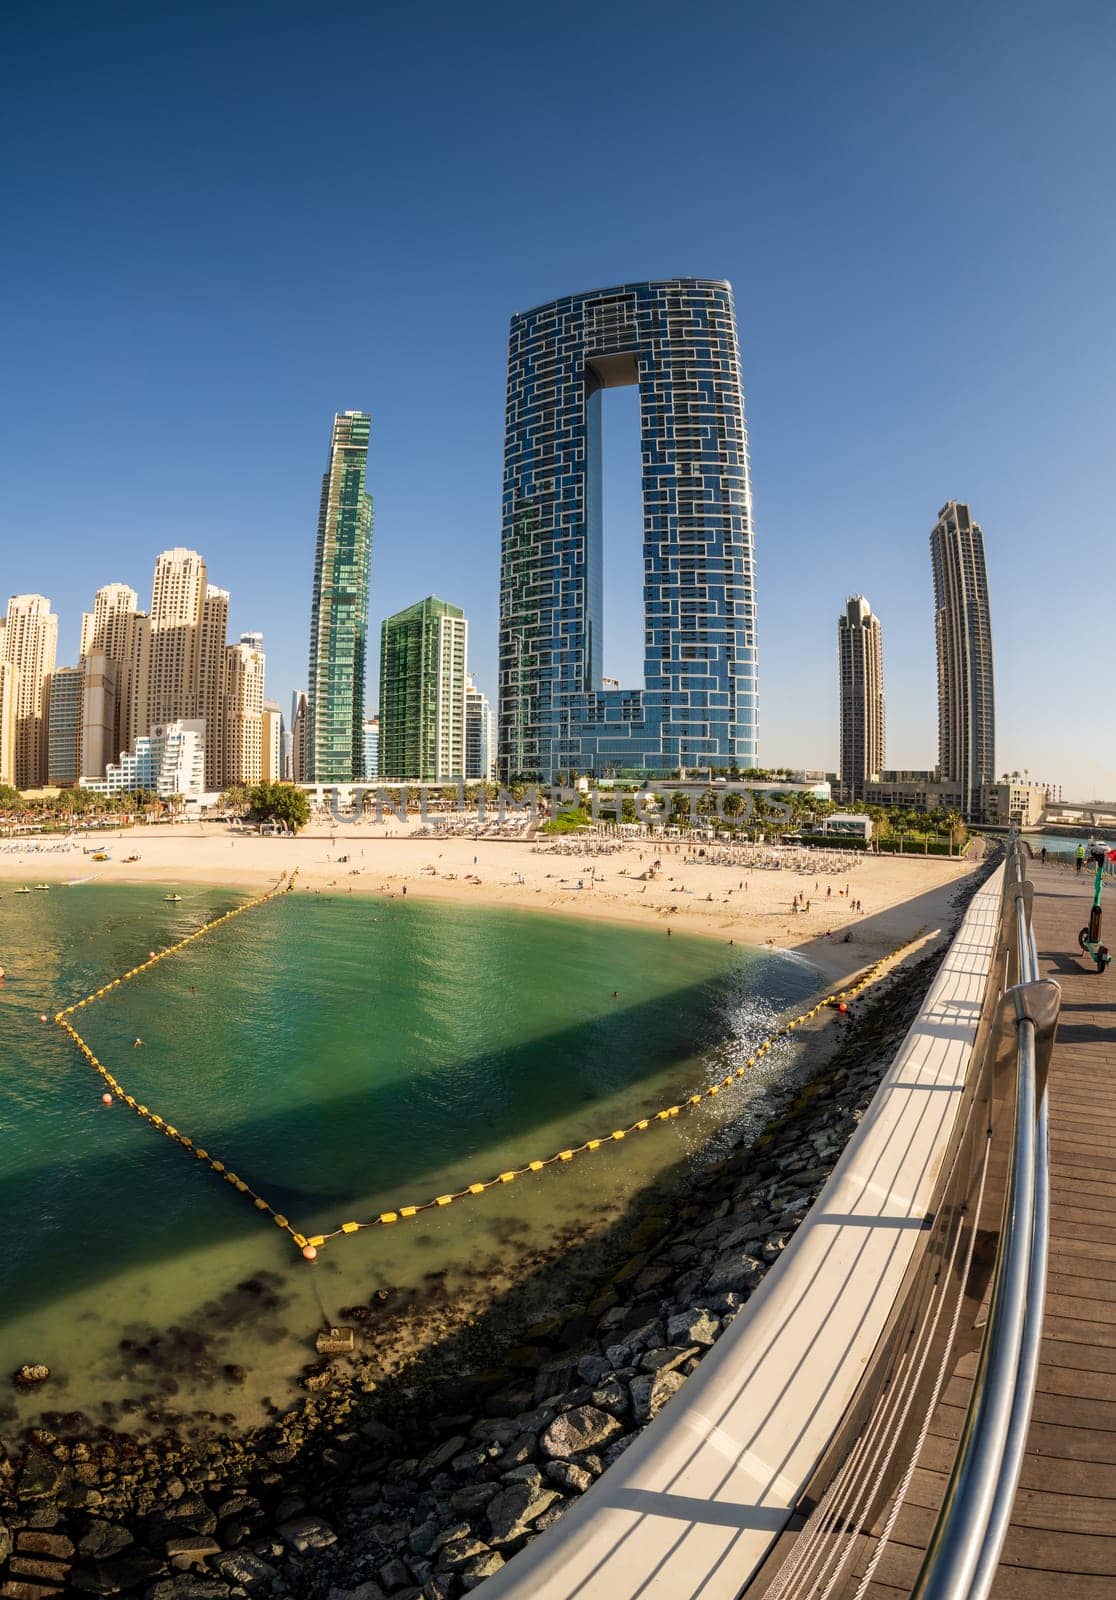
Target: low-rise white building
{"x":170,"y":760}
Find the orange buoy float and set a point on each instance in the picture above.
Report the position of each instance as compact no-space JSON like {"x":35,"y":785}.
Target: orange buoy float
{"x":309,"y":1252}
{"x":42,"y":1016}
{"x":106,"y":1099}
{"x":842,"y":1008}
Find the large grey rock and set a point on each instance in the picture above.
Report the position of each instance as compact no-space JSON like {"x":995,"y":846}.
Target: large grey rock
{"x":472,"y":1499}
{"x":192,"y":1551}
{"x":515,"y":1508}
{"x":40,"y":1477}
{"x":494,"y":1430}
{"x":248,"y":1570}
{"x":522,"y":1449}
{"x":734,"y":1270}
{"x":611,"y":1396}
{"x":468,"y":1462}
{"x":567,"y":1475}
{"x":591,"y":1369}
{"x":457,"y":1552}
{"x":188,"y":1586}
{"x":583,"y":1428}
{"x":307,"y":1533}
{"x":667,"y":1358}
{"x":550,"y":1516}
{"x":56,"y":1546}
{"x":481,"y":1567}
{"x":651,"y":1333}
{"x":526,"y":1473}
{"x":104,"y":1539}
{"x":616,"y":1449}
{"x":443,"y":1453}
{"x":698,"y":1326}
{"x":651,"y":1393}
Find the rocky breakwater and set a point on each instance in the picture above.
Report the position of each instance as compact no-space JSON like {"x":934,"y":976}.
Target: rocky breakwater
{"x":420,"y":1485}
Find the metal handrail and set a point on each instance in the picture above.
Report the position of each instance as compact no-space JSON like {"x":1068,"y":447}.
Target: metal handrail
{"x":964,"y":1550}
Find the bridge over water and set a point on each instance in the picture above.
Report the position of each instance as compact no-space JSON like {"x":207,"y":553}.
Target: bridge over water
{"x":920,"y":1399}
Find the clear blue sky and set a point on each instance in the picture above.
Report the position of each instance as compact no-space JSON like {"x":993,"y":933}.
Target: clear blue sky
{"x":225,"y":222}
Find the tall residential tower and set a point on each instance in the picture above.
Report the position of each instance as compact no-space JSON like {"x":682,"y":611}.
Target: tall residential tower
{"x":963,"y":633}
{"x":478,"y":733}
{"x":860,"y":658}
{"x":29,"y":644}
{"x":339,"y":611}
{"x":116,"y":658}
{"x":697,"y":705}
{"x":422,"y":693}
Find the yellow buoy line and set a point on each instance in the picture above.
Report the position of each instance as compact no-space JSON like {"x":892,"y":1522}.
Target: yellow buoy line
{"x":310,"y":1244}
{"x":666,"y":1114}
{"x":117,"y":1089}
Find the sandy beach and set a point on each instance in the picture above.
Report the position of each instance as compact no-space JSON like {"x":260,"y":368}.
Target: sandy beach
{"x":899,"y":897}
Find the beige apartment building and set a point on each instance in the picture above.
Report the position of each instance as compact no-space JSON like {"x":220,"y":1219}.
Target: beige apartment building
{"x":8,"y":681}
{"x":860,"y":660}
{"x":29,"y":644}
{"x":211,"y":682}
{"x":242,"y":718}
{"x":271,"y":752}
{"x":116,"y":657}
{"x":100,"y":715}
{"x":177,"y":612}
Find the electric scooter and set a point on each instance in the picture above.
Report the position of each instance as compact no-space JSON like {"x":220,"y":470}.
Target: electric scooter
{"x":1090,"y":937}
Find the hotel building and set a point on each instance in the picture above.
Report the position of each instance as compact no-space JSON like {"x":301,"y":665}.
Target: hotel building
{"x":371,"y":747}
{"x":168,"y":761}
{"x":697,"y":705}
{"x":479,"y":732}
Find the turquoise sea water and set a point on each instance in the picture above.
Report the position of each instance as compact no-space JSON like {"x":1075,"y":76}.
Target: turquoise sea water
{"x":1065,"y":844}
{"x":346,"y":1056}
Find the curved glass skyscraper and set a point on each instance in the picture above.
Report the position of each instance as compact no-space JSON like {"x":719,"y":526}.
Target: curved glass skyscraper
{"x":963,"y":633}
{"x":676,"y":340}
{"x":339,"y":611}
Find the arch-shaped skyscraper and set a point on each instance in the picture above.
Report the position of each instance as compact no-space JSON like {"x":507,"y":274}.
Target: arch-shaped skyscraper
{"x":677,"y":341}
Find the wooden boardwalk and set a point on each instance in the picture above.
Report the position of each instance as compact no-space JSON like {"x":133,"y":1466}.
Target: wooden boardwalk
{"x":1062,"y":1541}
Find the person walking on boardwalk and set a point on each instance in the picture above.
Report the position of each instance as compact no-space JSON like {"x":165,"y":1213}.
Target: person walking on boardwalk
{"x":1043,"y":855}
{"x":1080,"y":858}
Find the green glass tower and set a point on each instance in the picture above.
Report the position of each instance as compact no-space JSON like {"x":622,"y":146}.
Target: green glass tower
{"x":339,"y":614}
{"x":422,"y":693}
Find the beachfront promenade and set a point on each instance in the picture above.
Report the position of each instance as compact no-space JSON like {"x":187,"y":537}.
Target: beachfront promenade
{"x":812,"y":1451}
{"x":1062,"y":1539}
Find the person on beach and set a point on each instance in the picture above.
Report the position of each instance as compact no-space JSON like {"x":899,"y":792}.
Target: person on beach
{"x":1042,"y":854}
{"x":1080,"y":861}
